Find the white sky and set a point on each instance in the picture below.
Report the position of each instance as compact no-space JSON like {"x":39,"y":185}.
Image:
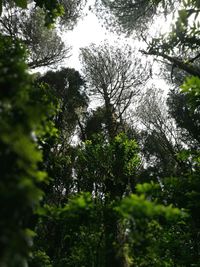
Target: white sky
{"x":88,"y":30}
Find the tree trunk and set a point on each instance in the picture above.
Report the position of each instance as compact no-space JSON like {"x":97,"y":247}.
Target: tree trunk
{"x":114,"y":254}
{"x":109,"y":115}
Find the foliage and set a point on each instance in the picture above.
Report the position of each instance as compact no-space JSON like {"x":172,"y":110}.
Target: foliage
{"x":68,"y":12}
{"x":105,"y":200}
{"x":76,"y":233}
{"x":185,"y":111}
{"x":68,"y":86}
{"x":149,"y":229}
{"x":44,"y":45}
{"x":192,"y":88}
{"x":160,"y":139}
{"x":127,"y":15}
{"x":180,"y":46}
{"x":40,"y":259}
{"x":113,"y":176}
{"x":114,"y":76}
{"x":52,"y":10}
{"x":23,"y":119}
{"x":138,"y":206}
{"x":72,"y":12}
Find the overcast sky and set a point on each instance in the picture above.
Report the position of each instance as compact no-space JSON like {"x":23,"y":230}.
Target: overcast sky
{"x":88,"y":30}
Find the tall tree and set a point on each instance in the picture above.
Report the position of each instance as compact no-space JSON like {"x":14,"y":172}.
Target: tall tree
{"x":159,"y":137}
{"x":68,"y":87}
{"x":45,"y":46}
{"x":114,"y":76}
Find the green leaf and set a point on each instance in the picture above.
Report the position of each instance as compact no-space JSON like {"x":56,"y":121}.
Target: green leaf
{"x":146,"y":187}
{"x":21,"y":3}
{"x":29,"y":232}
{"x":183,"y":15}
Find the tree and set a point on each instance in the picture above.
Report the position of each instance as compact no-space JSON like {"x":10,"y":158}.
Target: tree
{"x":108,"y":181}
{"x":76,"y":233}
{"x":52,"y":11}
{"x":127,"y":15}
{"x":158,"y":135}
{"x":45,"y":46}
{"x":72,"y":12}
{"x":25,"y":112}
{"x":69,"y":11}
{"x":68,"y":87}
{"x":94,"y":122}
{"x":180,"y":46}
{"x":90,"y":216}
{"x":113,"y":77}
{"x":187,"y":118}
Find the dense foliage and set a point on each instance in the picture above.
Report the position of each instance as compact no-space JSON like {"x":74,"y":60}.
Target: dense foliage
{"x":126,"y":192}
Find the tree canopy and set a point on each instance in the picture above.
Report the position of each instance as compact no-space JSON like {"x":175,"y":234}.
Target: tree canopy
{"x":127,"y":15}
{"x":116,"y":184}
